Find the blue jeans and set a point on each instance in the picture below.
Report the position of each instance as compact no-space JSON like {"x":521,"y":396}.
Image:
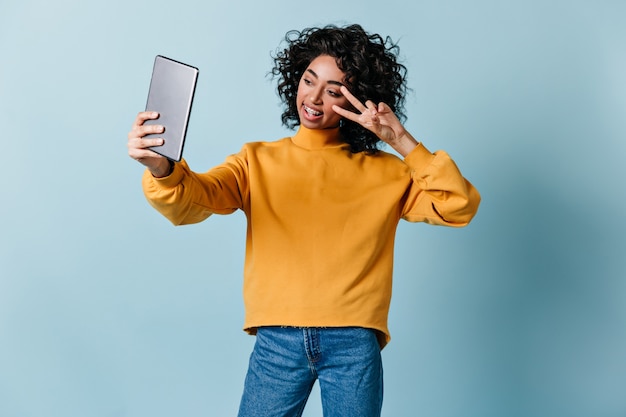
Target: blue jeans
{"x":286,"y":362}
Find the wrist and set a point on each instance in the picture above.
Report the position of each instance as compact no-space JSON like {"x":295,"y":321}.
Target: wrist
{"x":404,"y":143}
{"x":164,"y":169}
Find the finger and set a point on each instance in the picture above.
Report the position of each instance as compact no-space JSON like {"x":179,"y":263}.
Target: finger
{"x":139,"y":149}
{"x":151,"y":129}
{"x":384,"y":108}
{"x":372,"y":107}
{"x":145,"y":156}
{"x":139,"y":154}
{"x":143,"y":116}
{"x":385,"y":111}
{"x":346,"y":113}
{"x":139,"y":143}
{"x":143,"y":130}
{"x":353,"y":100}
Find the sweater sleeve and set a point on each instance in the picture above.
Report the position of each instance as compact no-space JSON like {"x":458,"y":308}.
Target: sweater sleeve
{"x":186,"y":197}
{"x":439,"y":194}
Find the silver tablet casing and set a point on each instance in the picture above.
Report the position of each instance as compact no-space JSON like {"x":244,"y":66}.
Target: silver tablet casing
{"x":171,"y":93}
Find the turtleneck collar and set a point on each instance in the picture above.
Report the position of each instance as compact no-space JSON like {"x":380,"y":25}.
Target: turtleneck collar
{"x":317,"y":138}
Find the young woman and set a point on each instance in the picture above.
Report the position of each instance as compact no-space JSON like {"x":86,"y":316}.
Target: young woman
{"x":322,"y":209}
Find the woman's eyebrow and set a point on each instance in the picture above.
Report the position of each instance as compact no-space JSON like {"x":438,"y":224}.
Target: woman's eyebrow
{"x":338,"y":83}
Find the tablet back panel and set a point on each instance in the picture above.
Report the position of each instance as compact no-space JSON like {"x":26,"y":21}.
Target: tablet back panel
{"x":171,"y":94}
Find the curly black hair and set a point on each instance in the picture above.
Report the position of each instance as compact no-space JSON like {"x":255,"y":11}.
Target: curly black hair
{"x":369,"y":61}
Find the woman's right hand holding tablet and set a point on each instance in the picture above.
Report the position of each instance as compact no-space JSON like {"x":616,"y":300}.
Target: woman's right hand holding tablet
{"x":138,"y":146}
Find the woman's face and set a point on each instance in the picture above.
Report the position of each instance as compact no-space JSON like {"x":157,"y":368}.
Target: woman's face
{"x":318,"y":91}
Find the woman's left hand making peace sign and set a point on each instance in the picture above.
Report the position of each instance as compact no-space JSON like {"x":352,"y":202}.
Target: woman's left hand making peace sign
{"x":379,"y":119}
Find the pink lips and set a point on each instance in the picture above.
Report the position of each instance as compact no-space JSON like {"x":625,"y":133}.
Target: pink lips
{"x":310,"y":113}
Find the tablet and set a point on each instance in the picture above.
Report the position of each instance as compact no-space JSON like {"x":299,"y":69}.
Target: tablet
{"x":171,"y":92}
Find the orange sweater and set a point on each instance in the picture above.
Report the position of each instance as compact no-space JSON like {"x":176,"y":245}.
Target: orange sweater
{"x":321,"y":222}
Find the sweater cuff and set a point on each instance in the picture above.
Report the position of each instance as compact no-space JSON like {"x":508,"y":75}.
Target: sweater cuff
{"x":172,"y":180}
{"x":419,"y":158}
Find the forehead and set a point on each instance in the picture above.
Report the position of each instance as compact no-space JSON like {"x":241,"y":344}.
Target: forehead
{"x":325,"y":67}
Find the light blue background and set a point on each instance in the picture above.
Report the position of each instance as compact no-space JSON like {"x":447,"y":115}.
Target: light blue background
{"x":522,"y":314}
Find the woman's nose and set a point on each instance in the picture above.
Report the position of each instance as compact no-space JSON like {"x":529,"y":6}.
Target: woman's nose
{"x":316,"y":96}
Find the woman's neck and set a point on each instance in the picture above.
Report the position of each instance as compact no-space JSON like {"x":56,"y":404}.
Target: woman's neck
{"x":317,"y":138}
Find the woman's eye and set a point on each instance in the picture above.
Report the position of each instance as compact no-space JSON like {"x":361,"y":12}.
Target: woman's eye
{"x":333,"y":93}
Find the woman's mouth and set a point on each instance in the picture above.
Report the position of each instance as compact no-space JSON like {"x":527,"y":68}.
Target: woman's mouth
{"x":311,"y":112}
